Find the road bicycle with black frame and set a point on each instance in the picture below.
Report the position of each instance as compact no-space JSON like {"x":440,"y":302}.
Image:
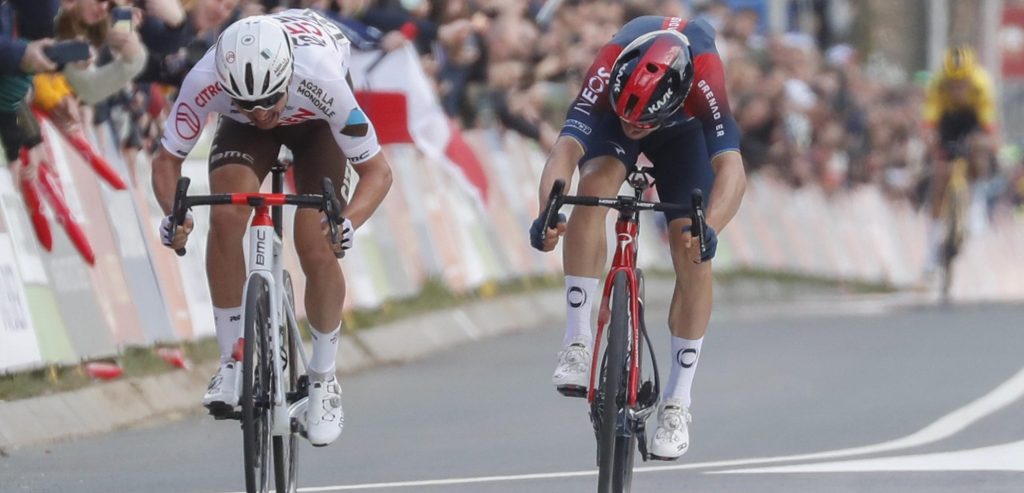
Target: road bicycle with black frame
{"x":623,"y":391}
{"x":955,"y":202}
{"x":275,"y":393}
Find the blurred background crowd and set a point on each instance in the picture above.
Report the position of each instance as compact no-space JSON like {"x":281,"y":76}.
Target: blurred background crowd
{"x":812,"y":110}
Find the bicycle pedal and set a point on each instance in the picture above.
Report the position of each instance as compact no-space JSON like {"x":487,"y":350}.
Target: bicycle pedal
{"x":572,"y":391}
{"x":221,"y":411}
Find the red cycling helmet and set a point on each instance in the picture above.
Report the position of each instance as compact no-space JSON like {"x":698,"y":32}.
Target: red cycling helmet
{"x":651,"y":78}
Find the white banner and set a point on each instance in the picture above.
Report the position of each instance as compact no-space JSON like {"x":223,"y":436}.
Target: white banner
{"x":18,"y":345}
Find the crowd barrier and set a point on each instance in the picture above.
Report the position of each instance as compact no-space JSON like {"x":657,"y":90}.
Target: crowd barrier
{"x":56,"y":309}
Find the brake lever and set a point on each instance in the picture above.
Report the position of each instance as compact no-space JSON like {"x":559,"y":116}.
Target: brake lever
{"x":698,"y":225}
{"x":180,"y":209}
{"x":554,"y":204}
{"x":332,"y":209}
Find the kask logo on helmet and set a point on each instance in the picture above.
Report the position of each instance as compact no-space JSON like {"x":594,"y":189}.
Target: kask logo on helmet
{"x":618,"y":78}
{"x":659,"y":104}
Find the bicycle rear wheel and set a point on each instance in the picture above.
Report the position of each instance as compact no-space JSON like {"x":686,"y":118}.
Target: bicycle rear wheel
{"x":256,"y":426}
{"x":615,"y":452}
{"x":286,"y":448}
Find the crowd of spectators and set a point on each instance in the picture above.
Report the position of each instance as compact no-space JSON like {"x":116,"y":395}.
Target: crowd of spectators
{"x":810,"y":115}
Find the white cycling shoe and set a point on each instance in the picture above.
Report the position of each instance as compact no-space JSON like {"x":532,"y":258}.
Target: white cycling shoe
{"x":221,"y":396}
{"x":324,"y":416}
{"x":572,"y":375}
{"x":672,"y":439}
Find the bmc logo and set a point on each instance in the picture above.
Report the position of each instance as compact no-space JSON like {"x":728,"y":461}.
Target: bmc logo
{"x":261,"y":247}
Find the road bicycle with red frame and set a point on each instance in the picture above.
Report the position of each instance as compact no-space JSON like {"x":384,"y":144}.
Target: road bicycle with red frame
{"x":275,"y":394}
{"x":623,"y":390}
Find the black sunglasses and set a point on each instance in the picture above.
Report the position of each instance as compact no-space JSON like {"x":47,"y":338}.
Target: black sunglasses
{"x":259,"y":104}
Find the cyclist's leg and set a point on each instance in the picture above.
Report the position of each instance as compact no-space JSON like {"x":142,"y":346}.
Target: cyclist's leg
{"x":602,"y":172}
{"x":935,"y":230}
{"x":681,"y":164}
{"x":316,"y":156}
{"x":241,"y":156}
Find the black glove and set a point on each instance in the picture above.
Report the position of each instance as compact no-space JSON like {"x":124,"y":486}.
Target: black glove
{"x":537,"y":229}
{"x":710,"y":242}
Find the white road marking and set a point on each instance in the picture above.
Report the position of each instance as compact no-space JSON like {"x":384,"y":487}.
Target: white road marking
{"x":1006,"y":457}
{"x":945,"y":427}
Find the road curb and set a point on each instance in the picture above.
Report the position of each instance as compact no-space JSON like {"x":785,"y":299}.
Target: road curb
{"x":110,"y":406}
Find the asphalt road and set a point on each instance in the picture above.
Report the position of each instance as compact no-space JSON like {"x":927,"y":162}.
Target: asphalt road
{"x":853,"y":395}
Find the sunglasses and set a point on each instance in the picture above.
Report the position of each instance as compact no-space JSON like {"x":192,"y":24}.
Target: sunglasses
{"x":264,"y":104}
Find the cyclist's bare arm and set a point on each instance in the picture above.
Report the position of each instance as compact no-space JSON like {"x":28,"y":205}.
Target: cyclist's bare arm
{"x":374,"y":183}
{"x":166,"y":171}
{"x":561,"y":165}
{"x":730,"y":184}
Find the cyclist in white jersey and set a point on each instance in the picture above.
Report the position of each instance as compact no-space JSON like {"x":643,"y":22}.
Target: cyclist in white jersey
{"x":276,"y":80}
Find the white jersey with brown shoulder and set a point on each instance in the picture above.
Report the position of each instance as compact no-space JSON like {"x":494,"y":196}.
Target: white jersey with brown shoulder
{"x":318,"y":90}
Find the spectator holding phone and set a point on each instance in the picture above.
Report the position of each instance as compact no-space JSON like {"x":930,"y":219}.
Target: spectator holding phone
{"x":33,"y":21}
{"x":119,"y":54}
{"x":20,"y":57}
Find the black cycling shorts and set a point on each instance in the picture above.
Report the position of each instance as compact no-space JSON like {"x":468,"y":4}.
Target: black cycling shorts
{"x":315,"y":152}
{"x":679,"y":155}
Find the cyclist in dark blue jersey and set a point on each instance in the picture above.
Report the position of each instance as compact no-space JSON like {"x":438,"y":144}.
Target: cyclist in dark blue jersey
{"x":657,"y":88}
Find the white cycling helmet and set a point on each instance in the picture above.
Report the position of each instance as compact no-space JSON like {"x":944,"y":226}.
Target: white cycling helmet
{"x":254,"y":59}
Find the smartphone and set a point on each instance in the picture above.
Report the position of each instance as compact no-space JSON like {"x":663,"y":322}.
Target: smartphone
{"x":121,"y":18}
{"x":65,"y":52}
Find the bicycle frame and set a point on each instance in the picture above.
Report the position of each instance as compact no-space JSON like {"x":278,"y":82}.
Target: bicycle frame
{"x":265,"y":260}
{"x":627,"y":231}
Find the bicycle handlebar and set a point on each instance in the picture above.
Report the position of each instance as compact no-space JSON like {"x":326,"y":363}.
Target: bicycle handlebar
{"x":326,"y":202}
{"x":625,"y":203}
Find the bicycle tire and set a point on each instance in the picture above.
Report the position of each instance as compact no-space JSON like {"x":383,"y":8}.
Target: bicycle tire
{"x":256,"y":386}
{"x":286,"y":455}
{"x":610,"y":477}
{"x":956,"y":218}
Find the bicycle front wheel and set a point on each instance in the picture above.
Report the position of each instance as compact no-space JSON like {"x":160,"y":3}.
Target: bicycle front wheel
{"x":286,"y":448}
{"x":256,"y":375}
{"x":615,"y":456}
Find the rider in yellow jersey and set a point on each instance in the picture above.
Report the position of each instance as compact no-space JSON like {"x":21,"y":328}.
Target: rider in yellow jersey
{"x":959,"y":102}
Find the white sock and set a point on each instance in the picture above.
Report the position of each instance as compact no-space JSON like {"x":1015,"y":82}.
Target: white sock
{"x":579,"y":298}
{"x":685,"y":353}
{"x":325,"y":350}
{"x":228,"y":324}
